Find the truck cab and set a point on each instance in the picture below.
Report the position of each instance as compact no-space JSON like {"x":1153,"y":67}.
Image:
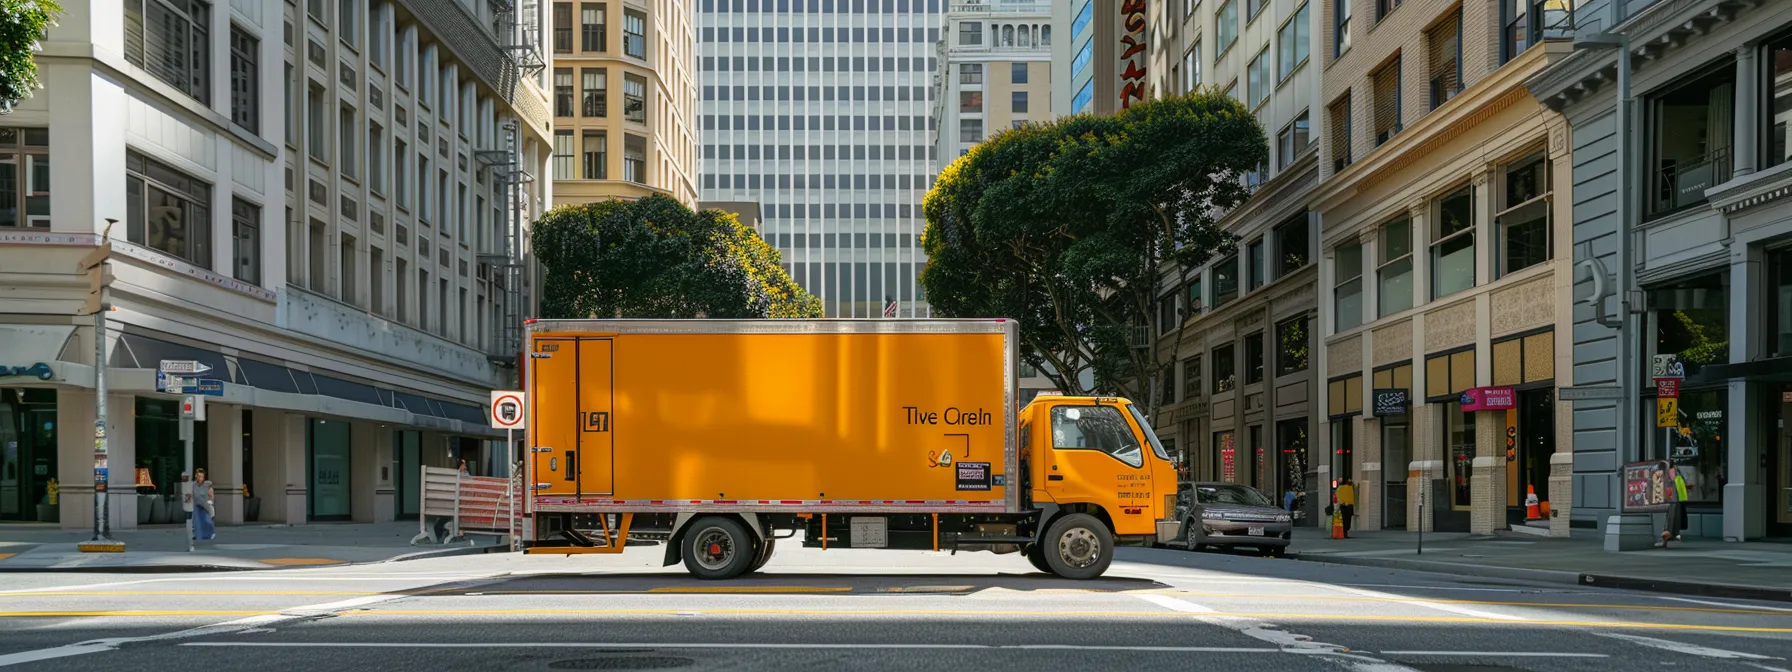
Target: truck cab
{"x":1093,"y":460}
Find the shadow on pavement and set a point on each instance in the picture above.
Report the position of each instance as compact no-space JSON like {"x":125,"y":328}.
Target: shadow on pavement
{"x":858,"y":585}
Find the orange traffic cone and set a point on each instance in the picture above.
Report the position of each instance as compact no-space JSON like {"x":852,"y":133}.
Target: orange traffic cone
{"x":1337,"y":522}
{"x":1530,"y":503}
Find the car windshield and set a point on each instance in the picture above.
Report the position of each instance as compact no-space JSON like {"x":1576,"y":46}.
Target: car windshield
{"x":1230,"y":494}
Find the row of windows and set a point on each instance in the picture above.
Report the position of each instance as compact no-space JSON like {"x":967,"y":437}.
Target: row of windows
{"x":859,"y":281}
{"x":712,"y":122}
{"x":1521,"y":232}
{"x":1290,"y":244}
{"x":593,"y":98}
{"x":817,"y":64}
{"x":875,"y":94}
{"x":818,"y":152}
{"x":799,"y":211}
{"x":1293,"y":354}
{"x":593,"y":22}
{"x":594,"y":148}
{"x":821,"y":35}
{"x":814,"y":181}
{"x":970,"y":34}
{"x":821,"y":6}
{"x":855,"y":241}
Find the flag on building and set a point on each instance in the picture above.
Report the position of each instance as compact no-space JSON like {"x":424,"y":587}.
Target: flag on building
{"x":889,"y":307}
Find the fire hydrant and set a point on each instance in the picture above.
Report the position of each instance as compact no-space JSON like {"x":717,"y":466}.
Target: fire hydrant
{"x":54,"y":492}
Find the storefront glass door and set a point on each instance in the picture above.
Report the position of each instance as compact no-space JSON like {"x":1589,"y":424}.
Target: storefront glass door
{"x":1779,"y":463}
{"x":27,"y":454}
{"x":407,"y":464}
{"x":1396,"y":454}
{"x":328,"y":448}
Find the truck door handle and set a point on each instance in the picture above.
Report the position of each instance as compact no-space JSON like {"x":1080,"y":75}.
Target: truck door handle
{"x":1054,"y":477}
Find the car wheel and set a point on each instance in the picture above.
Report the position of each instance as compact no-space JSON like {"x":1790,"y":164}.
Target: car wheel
{"x":1276,"y":551}
{"x":717,"y":547}
{"x":1191,"y":535}
{"x":1079,"y":546}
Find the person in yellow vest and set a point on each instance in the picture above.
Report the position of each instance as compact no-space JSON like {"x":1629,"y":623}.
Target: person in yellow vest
{"x":1346,"y":503}
{"x":1676,"y":512}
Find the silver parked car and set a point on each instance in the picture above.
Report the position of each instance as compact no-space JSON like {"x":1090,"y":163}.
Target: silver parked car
{"x":1229,"y":514}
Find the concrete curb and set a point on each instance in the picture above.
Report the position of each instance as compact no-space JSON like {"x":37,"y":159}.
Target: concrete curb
{"x":1728,"y":590}
{"x":180,"y":568}
{"x":448,"y":552}
{"x":1455,"y":568}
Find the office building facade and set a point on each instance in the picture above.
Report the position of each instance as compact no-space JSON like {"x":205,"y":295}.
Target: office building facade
{"x":321,"y":201}
{"x":995,"y":72}
{"x":820,"y":111}
{"x":624,"y":101}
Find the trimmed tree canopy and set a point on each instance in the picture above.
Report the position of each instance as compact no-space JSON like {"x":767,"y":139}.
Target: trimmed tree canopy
{"x":1068,"y":227}
{"x":655,"y":258}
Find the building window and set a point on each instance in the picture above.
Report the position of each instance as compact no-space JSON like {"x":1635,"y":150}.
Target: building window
{"x":597,"y":155}
{"x":1445,"y":46}
{"x":1522,"y":228}
{"x":167,"y":210}
{"x":1191,"y":68}
{"x":970,"y":33}
{"x":1195,"y":302}
{"x":245,"y":222}
{"x":25,"y":177}
{"x":1778,"y":93}
{"x":1225,"y":280}
{"x":970,"y":102}
{"x":970,"y":130}
{"x":596,"y":92}
{"x":634,"y":159}
{"x":317,"y":124}
{"x":562,"y":92}
{"x":562,"y":27}
{"x":634,"y":34}
{"x":1340,"y":27}
{"x":1293,"y":43}
{"x":1689,"y":138}
{"x":1255,"y":262}
{"x":347,"y":28}
{"x":1191,"y":378}
{"x":634,"y":98}
{"x":1252,"y":8}
{"x":592,"y":35}
{"x":1017,"y":73}
{"x":1347,"y":298}
{"x":1166,"y":384}
{"x":1225,"y":376}
{"x":1515,"y":33}
{"x":1386,"y":83}
{"x":1688,"y":319}
{"x":1166,"y":312}
{"x":1292,"y":345}
{"x":376,"y":158}
{"x":1291,"y":245}
{"x":245,"y":80}
{"x":1253,"y":358}
{"x":1019,"y":103}
{"x":1259,"y":83}
{"x":171,"y":40}
{"x":1394,"y":276}
{"x":563,"y":154}
{"x":1383,"y":7}
{"x":1340,"y":130}
{"x":970,"y":73}
{"x":1084,"y":98}
{"x":1779,"y":304}
{"x":1225,"y":25}
{"x":1453,"y":244}
{"x":1292,"y":140}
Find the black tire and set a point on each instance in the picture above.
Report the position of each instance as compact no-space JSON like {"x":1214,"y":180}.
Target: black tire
{"x":1276,"y":551}
{"x":765,"y":554}
{"x":1191,"y":535}
{"x":1036,"y":556}
{"x":718,"y":547}
{"x":1078,"y":546}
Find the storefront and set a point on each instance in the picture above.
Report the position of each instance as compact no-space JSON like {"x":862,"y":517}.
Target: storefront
{"x":1390,"y":403}
{"x":1687,"y":323}
{"x":28,"y":455}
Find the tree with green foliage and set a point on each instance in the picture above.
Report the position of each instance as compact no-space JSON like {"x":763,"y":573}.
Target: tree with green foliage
{"x":655,"y":258}
{"x":1070,"y":226}
{"x":22,"y":26}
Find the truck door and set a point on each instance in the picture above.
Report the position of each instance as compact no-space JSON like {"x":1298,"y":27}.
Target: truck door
{"x":1096,"y":458}
{"x":596,"y":445}
{"x":553,"y":409}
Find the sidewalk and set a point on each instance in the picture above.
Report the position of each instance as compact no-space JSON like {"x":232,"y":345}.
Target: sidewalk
{"x":163,"y":548}
{"x":1754,"y":570}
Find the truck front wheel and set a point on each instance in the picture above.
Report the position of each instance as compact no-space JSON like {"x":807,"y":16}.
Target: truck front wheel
{"x":1078,"y":546}
{"x":717,"y":547}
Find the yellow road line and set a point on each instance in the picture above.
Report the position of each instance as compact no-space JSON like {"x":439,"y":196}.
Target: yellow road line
{"x":4,"y":556}
{"x":1553,"y":605}
{"x":178,"y":593}
{"x":743,"y":589}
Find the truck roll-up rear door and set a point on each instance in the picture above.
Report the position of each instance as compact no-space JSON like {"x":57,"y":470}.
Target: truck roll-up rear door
{"x":553,"y":406}
{"x":596,"y":445}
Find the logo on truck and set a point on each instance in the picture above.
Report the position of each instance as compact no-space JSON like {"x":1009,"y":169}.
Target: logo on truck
{"x":597,"y":422}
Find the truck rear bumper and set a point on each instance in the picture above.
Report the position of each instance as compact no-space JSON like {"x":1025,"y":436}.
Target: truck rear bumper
{"x":1168,"y":530}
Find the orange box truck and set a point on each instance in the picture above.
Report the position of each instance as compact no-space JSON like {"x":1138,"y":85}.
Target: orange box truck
{"x":721,"y":437}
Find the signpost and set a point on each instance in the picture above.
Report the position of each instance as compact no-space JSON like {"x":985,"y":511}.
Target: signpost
{"x":1385,"y":402}
{"x":508,"y":412}
{"x":99,"y":275}
{"x":192,"y":407}
{"x":181,"y":376}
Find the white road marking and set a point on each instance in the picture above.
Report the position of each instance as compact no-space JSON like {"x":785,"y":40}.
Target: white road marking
{"x":1174,"y":604}
{"x":1731,"y":605}
{"x":727,"y":645}
{"x":1421,"y":602}
{"x":1688,"y":649}
{"x":1285,"y":641}
{"x":1495,"y":654}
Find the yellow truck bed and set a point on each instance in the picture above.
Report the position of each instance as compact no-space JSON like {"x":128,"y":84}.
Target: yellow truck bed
{"x":772,"y":415}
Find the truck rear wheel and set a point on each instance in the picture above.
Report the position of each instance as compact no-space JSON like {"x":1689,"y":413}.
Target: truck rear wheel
{"x":765,"y":554}
{"x":1078,"y":546}
{"x":718,"y":547}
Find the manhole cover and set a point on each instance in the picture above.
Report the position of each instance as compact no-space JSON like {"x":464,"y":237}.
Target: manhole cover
{"x":623,"y":663}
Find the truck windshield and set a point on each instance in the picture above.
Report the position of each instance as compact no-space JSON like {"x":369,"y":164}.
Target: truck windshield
{"x":1157,"y":447}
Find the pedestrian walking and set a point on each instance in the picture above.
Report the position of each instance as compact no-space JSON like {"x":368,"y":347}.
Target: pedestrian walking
{"x":1346,"y":503}
{"x":1676,"y":512}
{"x":203,"y":507}
{"x":1288,"y":498}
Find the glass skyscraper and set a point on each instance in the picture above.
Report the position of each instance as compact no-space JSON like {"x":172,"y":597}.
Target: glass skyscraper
{"x":820,"y":111}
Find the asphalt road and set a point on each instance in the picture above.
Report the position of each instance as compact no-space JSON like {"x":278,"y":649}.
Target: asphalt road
{"x":870,"y":610}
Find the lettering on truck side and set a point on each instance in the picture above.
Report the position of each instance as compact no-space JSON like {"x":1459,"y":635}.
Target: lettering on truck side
{"x":952,"y":416}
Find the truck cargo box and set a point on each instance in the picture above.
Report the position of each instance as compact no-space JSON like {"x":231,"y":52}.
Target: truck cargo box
{"x":772,"y":415}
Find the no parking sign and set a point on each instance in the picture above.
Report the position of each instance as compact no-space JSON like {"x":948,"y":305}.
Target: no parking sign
{"x":508,"y":409}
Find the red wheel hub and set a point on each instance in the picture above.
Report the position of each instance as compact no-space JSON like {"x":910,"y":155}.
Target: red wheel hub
{"x":715,"y":549}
